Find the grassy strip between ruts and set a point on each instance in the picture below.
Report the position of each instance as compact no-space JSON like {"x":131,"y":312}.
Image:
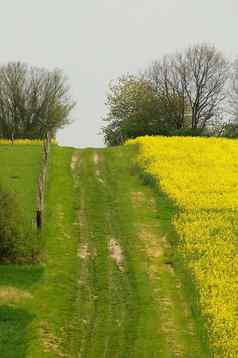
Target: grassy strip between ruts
{"x":35,"y":301}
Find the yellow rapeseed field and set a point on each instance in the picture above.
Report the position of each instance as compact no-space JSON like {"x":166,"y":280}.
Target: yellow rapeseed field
{"x":201,"y":176}
{"x":20,"y":141}
{"x":24,"y":141}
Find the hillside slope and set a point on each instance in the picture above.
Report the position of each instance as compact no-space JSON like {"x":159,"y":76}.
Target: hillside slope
{"x":130,"y":300}
{"x":105,"y":287}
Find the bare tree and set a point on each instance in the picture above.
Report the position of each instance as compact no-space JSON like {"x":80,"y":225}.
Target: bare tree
{"x":233,"y":92}
{"x":12,"y":99}
{"x":167,"y":82}
{"x":196,"y":77}
{"x":203,"y":73}
{"x":33,"y":101}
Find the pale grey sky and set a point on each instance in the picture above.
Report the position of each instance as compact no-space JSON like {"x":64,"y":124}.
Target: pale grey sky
{"x":94,"y":41}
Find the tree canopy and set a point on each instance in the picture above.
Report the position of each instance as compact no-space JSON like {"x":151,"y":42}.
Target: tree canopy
{"x":182,"y":92}
{"x":33,"y":101}
{"x":136,"y":108}
{"x":133,"y":109}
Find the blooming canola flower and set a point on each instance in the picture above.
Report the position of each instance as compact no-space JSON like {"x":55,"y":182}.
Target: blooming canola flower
{"x":201,"y":176}
{"x":24,"y":141}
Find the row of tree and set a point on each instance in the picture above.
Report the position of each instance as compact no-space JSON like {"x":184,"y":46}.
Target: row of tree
{"x":33,"y":101}
{"x":190,"y":92}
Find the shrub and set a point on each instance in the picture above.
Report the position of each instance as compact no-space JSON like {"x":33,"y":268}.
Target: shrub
{"x":17,"y":239}
{"x":230,"y":130}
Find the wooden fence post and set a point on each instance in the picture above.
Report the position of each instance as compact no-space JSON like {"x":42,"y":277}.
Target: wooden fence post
{"x":42,"y":183}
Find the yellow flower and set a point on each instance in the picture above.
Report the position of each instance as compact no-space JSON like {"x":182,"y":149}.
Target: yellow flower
{"x":25,"y":141}
{"x":201,"y":176}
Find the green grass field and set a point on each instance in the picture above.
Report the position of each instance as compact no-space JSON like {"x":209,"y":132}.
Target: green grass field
{"x":106,"y":286}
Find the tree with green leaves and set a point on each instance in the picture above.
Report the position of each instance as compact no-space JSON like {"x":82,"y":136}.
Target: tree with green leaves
{"x":135,"y":108}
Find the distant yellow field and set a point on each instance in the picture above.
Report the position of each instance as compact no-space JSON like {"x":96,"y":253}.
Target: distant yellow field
{"x":20,"y":141}
{"x":201,"y":176}
{"x":24,"y":141}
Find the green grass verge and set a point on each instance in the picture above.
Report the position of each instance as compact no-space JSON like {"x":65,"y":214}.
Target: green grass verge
{"x":36,"y":301}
